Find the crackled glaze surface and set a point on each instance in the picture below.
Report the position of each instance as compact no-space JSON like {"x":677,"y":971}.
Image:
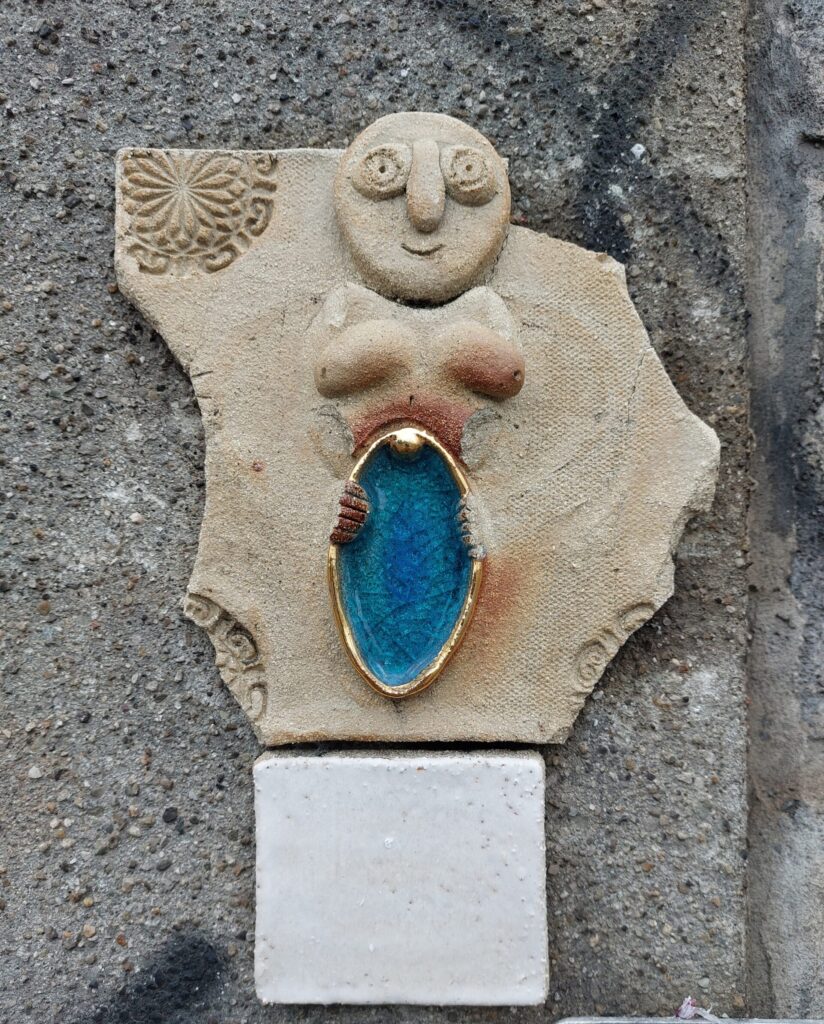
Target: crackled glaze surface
{"x":404,"y":579}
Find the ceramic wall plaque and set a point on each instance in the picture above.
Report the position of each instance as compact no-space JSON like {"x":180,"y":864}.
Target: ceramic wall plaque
{"x":445,"y":469}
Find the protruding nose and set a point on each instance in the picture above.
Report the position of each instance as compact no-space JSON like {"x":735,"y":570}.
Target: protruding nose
{"x":425,"y":187}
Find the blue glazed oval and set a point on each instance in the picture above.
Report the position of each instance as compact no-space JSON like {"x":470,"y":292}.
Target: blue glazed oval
{"x":403,"y":583}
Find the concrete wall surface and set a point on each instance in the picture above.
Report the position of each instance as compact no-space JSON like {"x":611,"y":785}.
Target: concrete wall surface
{"x":126,"y":817}
{"x":786,"y":515}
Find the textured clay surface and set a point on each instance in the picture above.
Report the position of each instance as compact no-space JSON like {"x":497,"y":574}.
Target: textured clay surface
{"x":583,"y":480}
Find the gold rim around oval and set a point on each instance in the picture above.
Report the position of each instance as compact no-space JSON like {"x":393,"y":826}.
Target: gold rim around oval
{"x":409,"y":438}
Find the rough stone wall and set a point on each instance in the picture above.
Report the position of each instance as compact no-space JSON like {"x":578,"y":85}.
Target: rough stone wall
{"x":786,"y":298}
{"x":125,"y":782}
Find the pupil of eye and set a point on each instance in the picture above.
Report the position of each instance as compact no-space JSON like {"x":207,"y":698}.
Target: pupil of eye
{"x":382,"y":168}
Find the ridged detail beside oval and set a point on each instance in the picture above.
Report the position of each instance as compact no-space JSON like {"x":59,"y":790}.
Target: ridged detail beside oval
{"x":404,"y":589}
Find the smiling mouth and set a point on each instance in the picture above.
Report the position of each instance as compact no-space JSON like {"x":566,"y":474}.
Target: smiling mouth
{"x":426,"y":251}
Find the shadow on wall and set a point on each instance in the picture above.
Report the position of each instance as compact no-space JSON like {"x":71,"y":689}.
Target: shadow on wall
{"x":181,"y":975}
{"x":592,"y":212}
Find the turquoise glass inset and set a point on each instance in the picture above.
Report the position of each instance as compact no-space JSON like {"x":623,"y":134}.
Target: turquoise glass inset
{"x":405,"y":577}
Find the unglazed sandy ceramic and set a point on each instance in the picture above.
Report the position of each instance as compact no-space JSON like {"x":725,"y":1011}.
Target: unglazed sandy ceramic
{"x":321,"y":301}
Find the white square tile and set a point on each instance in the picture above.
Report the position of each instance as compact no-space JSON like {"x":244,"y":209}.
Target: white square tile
{"x":401,"y":878}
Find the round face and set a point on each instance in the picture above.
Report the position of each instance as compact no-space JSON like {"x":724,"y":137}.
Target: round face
{"x":423,"y":203}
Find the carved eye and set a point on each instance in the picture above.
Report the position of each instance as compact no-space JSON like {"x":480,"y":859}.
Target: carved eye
{"x":383,"y":172}
{"x":468,"y":176}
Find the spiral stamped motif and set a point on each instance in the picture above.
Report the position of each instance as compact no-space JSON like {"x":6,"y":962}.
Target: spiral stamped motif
{"x":196,"y":210}
{"x":596,"y":654}
{"x":236,"y":653}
